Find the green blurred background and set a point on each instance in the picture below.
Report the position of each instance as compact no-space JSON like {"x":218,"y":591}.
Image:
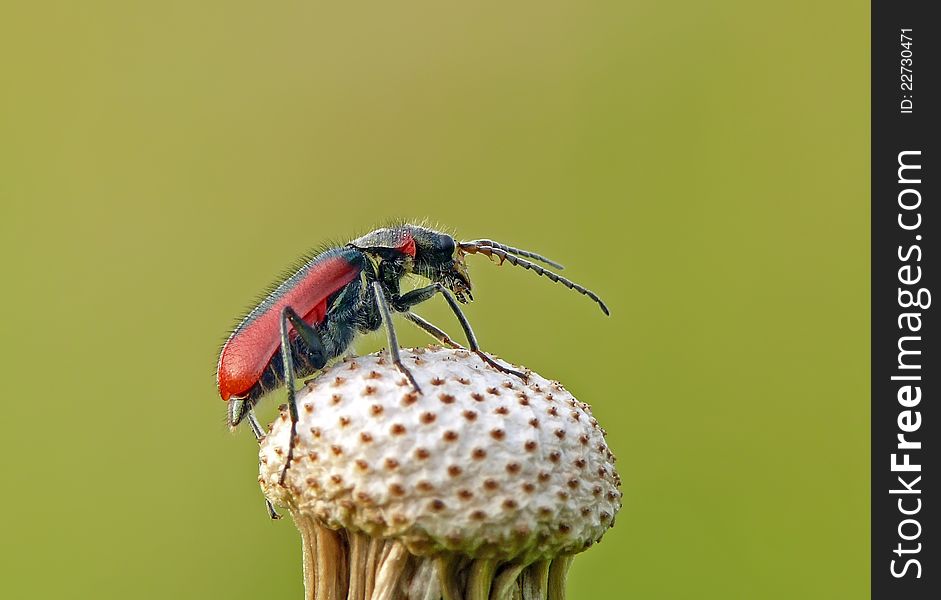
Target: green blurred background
{"x":703,"y":166}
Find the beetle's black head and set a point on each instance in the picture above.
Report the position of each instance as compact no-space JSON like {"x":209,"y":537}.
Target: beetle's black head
{"x":439,"y":257}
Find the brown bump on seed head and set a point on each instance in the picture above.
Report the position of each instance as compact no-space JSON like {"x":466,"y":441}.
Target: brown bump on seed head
{"x":397,"y":429}
{"x":353,"y":365}
{"x":534,"y":422}
{"x":337,"y":479}
{"x":530,"y":445}
{"x":563,"y":496}
{"x":344,"y":421}
{"x":436,"y":505}
{"x":580,"y":463}
{"x":399,"y":519}
{"x":369,"y":390}
{"x":493,"y":391}
{"x":454,"y":470}
{"x":391,"y":464}
{"x":478,"y":515}
{"x":463,"y":381}
{"x":586,"y":511}
{"x":374,"y":375}
{"x":604,"y":516}
{"x":424,"y":486}
{"x":573,"y":483}
{"x":479,"y":454}
{"x":422,"y":454}
{"x":552,"y":411}
{"x":544,"y":477}
{"x":612,"y":495}
{"x":311,"y":482}
{"x":513,"y":468}
{"x":470,"y":415}
{"x":315,"y":431}
{"x":396,"y":490}
{"x":521,"y":531}
{"x":428,"y":417}
{"x":309,"y":408}
{"x":596,"y":490}
{"x":564,"y":528}
{"x":465,"y":495}
{"x":336,"y":398}
{"x":337,"y":450}
{"x":449,"y":436}
{"x":491,"y":484}
{"x":437,"y":381}
{"x":338,"y":382}
{"x":508,"y":384}
{"x":501,"y":410}
{"x":497,"y":434}
{"x":446,"y":398}
{"x":477,"y":397}
{"x":583,"y":440}
{"x":376,"y":410}
{"x":560,"y":433}
{"x":380,"y":361}
{"x":509,"y":504}
{"x":312,"y":456}
{"x":365,"y":437}
{"x":402,"y":382}
{"x":529,"y":488}
{"x":362,"y":465}
{"x":575,"y":415}
{"x":555,"y":456}
{"x":409,"y":398}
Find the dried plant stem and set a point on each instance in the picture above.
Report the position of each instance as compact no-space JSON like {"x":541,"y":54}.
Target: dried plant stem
{"x":342,"y":565}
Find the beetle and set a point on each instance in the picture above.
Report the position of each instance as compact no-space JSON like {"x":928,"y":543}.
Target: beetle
{"x":317,"y":311}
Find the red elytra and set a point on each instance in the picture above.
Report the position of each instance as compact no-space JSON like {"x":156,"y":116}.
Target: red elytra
{"x":249,"y":350}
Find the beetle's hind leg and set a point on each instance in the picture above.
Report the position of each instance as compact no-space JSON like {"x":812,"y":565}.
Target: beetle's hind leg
{"x":259,"y":436}
{"x":312,"y":339}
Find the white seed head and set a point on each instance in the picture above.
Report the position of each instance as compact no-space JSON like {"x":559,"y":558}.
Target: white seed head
{"x":480,"y":464}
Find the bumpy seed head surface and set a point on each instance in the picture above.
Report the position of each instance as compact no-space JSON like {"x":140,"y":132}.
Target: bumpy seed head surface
{"x":481,"y":463}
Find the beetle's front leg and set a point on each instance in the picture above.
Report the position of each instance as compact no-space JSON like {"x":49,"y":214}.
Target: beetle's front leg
{"x":383,"y":303}
{"x":433,"y":331}
{"x":407,"y":300}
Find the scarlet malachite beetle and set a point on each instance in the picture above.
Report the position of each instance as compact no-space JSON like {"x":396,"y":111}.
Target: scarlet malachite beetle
{"x":318,"y":310}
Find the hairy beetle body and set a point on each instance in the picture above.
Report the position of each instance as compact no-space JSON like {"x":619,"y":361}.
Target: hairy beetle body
{"x":315,"y":314}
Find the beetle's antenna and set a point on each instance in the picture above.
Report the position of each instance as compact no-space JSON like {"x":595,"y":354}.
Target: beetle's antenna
{"x":516,"y":251}
{"x":473,"y":248}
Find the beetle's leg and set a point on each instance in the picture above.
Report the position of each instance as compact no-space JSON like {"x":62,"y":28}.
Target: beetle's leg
{"x":421,"y":294}
{"x":260,"y":435}
{"x":310,"y":337}
{"x":433,"y":331}
{"x":383,"y":303}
